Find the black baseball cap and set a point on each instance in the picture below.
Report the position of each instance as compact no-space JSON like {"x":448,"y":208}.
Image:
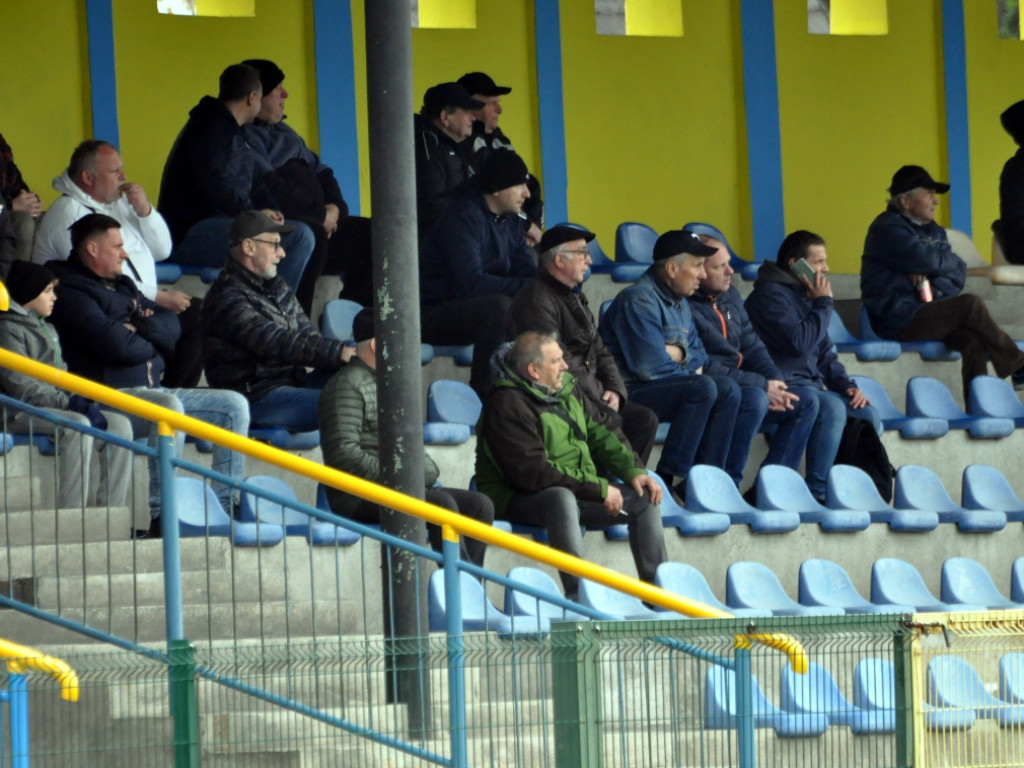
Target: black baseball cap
{"x":252,"y":223}
{"x":679,"y":241}
{"x":477,"y":83}
{"x":913,"y":176}
{"x":444,"y":95}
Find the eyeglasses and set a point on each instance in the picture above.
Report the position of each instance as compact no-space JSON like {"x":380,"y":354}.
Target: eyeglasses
{"x":581,"y":252}
{"x":275,"y":243}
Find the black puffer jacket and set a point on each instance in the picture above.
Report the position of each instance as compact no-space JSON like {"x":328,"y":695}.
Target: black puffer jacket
{"x":256,"y":336}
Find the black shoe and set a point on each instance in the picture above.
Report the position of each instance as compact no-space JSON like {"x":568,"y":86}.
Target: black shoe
{"x":153,"y":532}
{"x":1017,"y":377}
{"x":750,"y":495}
{"x":679,"y":491}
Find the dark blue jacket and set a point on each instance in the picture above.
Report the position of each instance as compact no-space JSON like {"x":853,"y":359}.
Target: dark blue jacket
{"x":734,"y":348}
{"x":794,"y":329}
{"x":1010,"y":226}
{"x":442,"y":166}
{"x":210,"y":171}
{"x":894,"y":248}
{"x":90,"y":314}
{"x":470,"y":252}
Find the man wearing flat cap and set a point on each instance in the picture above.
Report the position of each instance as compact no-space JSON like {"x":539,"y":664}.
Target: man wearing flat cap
{"x":651,"y":333}
{"x":475,"y":260}
{"x":911,"y":283}
{"x":348,"y":437}
{"x":443,"y":125}
{"x":307,"y":191}
{"x":551,"y":303}
{"x":488,"y":137}
{"x":256,"y":338}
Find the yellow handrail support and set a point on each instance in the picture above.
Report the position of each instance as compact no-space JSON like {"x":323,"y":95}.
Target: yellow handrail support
{"x":21,"y":658}
{"x":386,"y":497}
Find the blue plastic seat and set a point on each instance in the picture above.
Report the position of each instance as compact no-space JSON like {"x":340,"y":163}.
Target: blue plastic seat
{"x":850,"y":487}
{"x":710,"y":489}
{"x":953,"y":682}
{"x":781,"y":488}
{"x":929,"y":397}
{"x":865,"y":350}
{"x":985,"y":487}
{"x":200,"y":514}
{"x":910,"y":427}
{"x":874,"y":687}
{"x":206,"y":274}
{"x":817,"y":693}
{"x":520,"y":603}
{"x":823,"y":582}
{"x":462,"y":354}
{"x":753,"y":585}
{"x":720,"y":708}
{"x":43,"y":443}
{"x":618,"y":605}
{"x":634,"y":251}
{"x":167,"y":273}
{"x":453,"y":402}
{"x":478,"y":613}
{"x":689,"y":522}
{"x":928,"y":350}
{"x":966,"y":581}
{"x":994,"y":398}
{"x":1017,"y":580}
{"x":920,"y":488}
{"x":687,"y":581}
{"x":897,"y":581}
{"x":336,"y":323}
{"x":745,"y":269}
{"x":279,"y":437}
{"x":255,"y":509}
{"x":1011,"y":677}
{"x":6,"y":443}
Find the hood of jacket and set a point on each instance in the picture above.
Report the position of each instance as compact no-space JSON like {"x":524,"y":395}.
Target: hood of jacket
{"x":66,"y":186}
{"x":770,"y":272}
{"x":504,"y":376}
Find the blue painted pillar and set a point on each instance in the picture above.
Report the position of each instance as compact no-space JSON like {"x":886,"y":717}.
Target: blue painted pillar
{"x":958,"y":150}
{"x":102,"y":74}
{"x":548,"y":44}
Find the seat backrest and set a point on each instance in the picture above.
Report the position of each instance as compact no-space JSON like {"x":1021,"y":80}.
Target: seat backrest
{"x":520,"y":603}
{"x":879,"y":398}
{"x":874,"y":684}
{"x":336,"y":320}
{"x":851,"y":487}
{"x":452,"y":402}
{"x":966,"y":581}
{"x":920,"y":488}
{"x":753,"y":585}
{"x":989,"y":396}
{"x":837,"y":330}
{"x":965,"y":248}
{"x":610,"y":601}
{"x":985,"y":487}
{"x":823,"y":582}
{"x":1011,"y":677}
{"x":685,"y":580}
{"x":710,"y":489}
{"x":897,"y":581}
{"x":953,"y":682}
{"x":198,"y":505}
{"x":780,"y":487}
{"x":256,"y":509}
{"x":814,"y":691}
{"x":929,"y":397}
{"x":634,"y":242}
{"x":1017,"y":580}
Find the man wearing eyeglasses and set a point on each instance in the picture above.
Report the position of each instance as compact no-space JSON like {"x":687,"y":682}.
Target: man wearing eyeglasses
{"x":551,"y":303}
{"x":256,"y":338}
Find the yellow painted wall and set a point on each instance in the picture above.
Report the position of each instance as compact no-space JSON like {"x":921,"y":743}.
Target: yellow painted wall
{"x":852,"y":111}
{"x":654,"y":126}
{"x":993,"y":84}
{"x":44,"y":103}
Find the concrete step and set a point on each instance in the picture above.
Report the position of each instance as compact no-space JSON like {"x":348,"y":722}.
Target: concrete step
{"x":49,"y":526}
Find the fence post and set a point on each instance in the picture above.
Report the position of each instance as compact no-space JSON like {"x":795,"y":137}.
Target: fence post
{"x":745,"y":709}
{"x":17,"y":688}
{"x":456,"y":647}
{"x":575,"y":649}
{"x":184,"y":705}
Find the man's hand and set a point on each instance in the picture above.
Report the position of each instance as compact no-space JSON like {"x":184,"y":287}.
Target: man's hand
{"x":137,"y":199}
{"x":857,"y":398}
{"x":27,"y":202}
{"x":613,"y":500}
{"x":331,"y":219}
{"x":347,"y":353}
{"x":820,"y":287}
{"x":275,"y":216}
{"x":612,"y":399}
{"x":642,"y":482}
{"x":533,"y":235}
{"x":675,"y":352}
{"x":176,"y":301}
{"x":779,"y":397}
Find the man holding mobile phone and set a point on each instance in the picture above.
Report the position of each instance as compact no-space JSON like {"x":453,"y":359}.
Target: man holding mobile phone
{"x":791,"y":314}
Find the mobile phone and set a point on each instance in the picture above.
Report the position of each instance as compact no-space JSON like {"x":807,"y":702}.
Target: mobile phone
{"x":802,"y":269}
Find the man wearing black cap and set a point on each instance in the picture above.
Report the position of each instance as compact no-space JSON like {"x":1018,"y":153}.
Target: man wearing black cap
{"x":348,"y":437}
{"x":475,"y":260}
{"x":1010,"y":226}
{"x":256,"y":338}
{"x":910,"y":283}
{"x":444,"y":123}
{"x":487,"y":137}
{"x":550,"y":303}
{"x":307,"y":191}
{"x":651,"y":333}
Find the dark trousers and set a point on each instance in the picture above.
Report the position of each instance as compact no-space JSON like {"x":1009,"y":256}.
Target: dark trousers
{"x":640,"y":426}
{"x":478,"y":321}
{"x":964,"y":324}
{"x":185,"y":366}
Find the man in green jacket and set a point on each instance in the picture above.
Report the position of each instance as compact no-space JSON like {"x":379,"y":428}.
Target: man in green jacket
{"x":544,"y":458}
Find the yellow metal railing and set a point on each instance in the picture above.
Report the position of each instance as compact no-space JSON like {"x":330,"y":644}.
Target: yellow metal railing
{"x":386,"y":497}
{"x":21,"y":659}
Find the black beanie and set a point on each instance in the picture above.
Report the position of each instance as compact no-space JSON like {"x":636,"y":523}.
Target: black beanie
{"x":271,"y":75}
{"x":503,"y":169}
{"x":26,"y":280}
{"x":1013,"y":121}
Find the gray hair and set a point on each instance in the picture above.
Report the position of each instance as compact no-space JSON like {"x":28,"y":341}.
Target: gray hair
{"x":527,"y":349}
{"x":897,"y":200}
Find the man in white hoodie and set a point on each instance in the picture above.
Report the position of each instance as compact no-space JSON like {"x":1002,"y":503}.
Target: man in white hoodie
{"x":94,"y":182}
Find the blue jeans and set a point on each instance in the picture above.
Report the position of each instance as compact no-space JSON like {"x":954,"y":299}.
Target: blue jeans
{"x":823,"y":444}
{"x":293,"y":408}
{"x":220,"y":407}
{"x":792,"y":429}
{"x":208,"y":244}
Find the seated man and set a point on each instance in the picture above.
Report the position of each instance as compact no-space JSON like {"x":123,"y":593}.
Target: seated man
{"x":791,"y":315}
{"x":474,"y":261}
{"x":650,"y":330}
{"x":735,"y":351}
{"x":210,"y":177}
{"x":1009,"y":228}
{"x":307,"y":191}
{"x":23,"y":204}
{"x":910,"y":283}
{"x":348,"y":437}
{"x":537,"y":456}
{"x":114,"y":335}
{"x":23,"y":330}
{"x":443,"y":163}
{"x":551,"y":303}
{"x":256,"y":338}
{"x":94,"y":182}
